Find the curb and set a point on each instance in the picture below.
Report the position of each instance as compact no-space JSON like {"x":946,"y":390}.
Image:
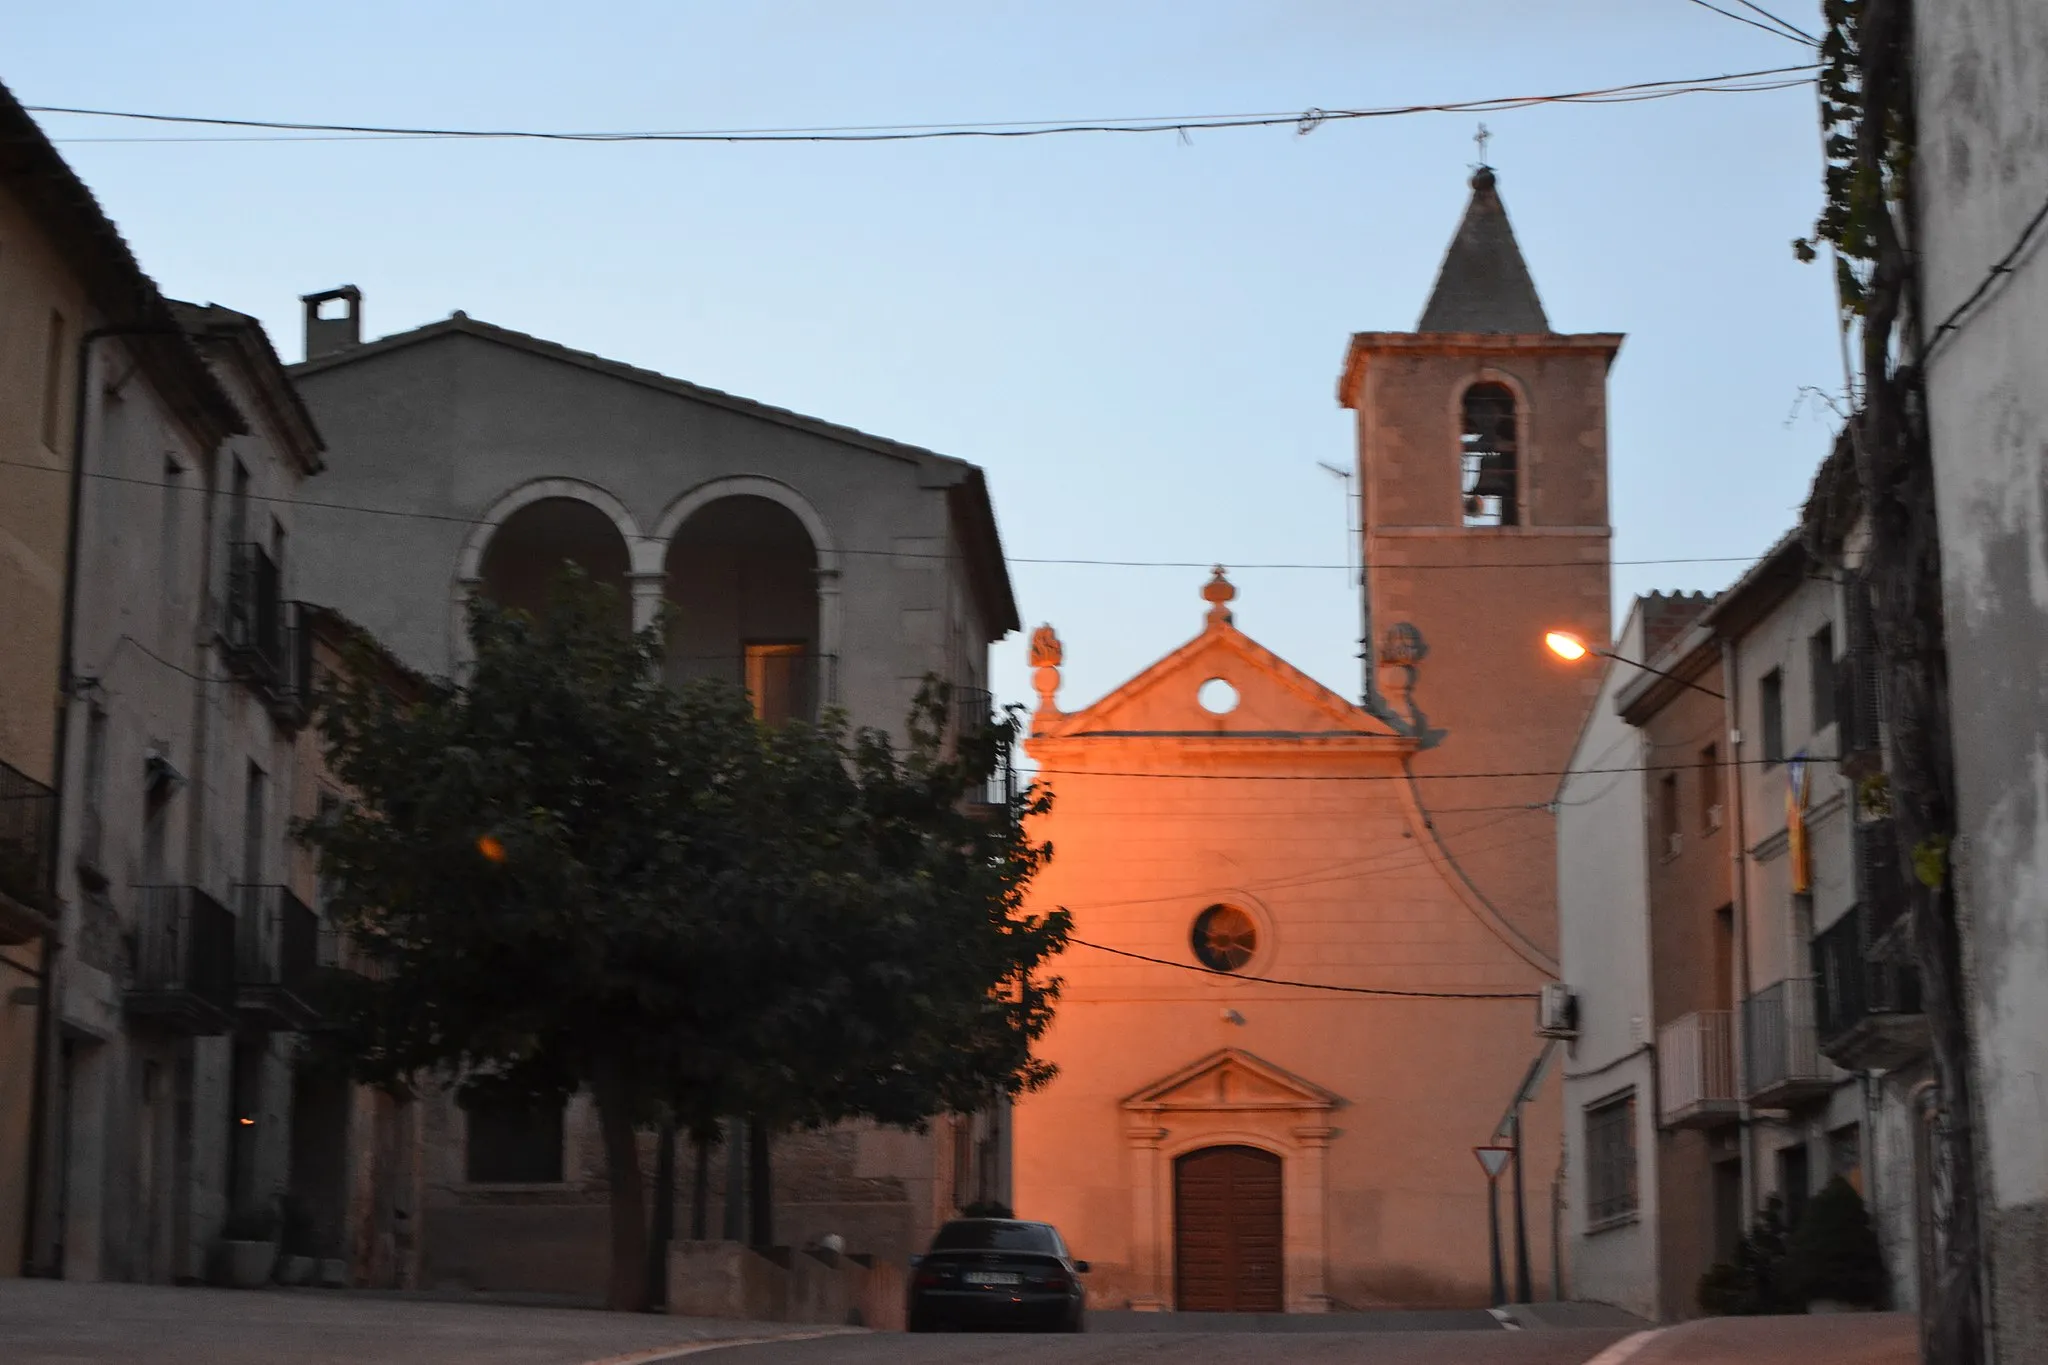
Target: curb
{"x":657,"y":1354}
{"x":1626,"y":1349}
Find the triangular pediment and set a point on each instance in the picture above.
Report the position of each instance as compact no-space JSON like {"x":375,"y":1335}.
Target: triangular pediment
{"x":1231,"y":1079}
{"x":1274,"y":699}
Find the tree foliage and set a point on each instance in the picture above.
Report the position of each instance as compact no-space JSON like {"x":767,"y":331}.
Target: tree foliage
{"x":1834,"y":1252}
{"x":564,"y":873}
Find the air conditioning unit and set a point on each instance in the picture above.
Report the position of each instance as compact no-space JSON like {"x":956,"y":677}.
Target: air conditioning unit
{"x":1557,"y":1011}
{"x":1714,"y":817}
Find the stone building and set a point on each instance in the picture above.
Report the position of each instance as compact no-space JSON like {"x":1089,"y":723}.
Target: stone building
{"x":1980,"y":177}
{"x":1219,"y":1141}
{"x":1783,"y":1020}
{"x":816,"y":565}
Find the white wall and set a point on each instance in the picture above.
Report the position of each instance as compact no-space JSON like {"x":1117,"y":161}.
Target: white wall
{"x":1603,"y":925}
{"x":1982,"y":172}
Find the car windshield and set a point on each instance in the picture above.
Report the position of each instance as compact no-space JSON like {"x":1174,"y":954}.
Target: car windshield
{"x":989,"y":1235}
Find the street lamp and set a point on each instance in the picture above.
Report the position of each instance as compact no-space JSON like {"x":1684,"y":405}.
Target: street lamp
{"x":1571,"y":649}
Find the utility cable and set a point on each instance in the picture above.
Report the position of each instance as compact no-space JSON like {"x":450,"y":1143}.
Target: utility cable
{"x":1770,"y":78}
{"x":325,"y":505}
{"x":1303,"y":985}
{"x":1782,"y":29}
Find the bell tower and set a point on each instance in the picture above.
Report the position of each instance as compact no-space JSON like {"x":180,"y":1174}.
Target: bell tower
{"x":1482,"y":461}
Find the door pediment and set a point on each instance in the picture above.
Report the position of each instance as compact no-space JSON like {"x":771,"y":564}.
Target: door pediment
{"x":1231,"y":1080}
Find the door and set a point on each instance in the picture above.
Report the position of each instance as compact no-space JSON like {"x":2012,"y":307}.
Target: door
{"x":1227,"y":1236}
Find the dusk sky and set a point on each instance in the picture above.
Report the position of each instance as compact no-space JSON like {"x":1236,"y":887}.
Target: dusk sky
{"x":1137,"y":336}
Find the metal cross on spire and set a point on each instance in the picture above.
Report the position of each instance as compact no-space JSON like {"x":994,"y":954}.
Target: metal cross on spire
{"x":1482,"y":137}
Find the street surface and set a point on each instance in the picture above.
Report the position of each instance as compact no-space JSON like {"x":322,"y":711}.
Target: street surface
{"x":48,"y":1323}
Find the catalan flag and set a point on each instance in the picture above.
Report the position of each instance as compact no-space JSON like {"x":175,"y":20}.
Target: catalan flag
{"x":1798,"y":783}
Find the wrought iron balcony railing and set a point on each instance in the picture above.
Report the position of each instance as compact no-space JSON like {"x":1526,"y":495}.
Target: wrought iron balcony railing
{"x":1696,"y":1085}
{"x":1866,"y":998}
{"x":183,"y":959}
{"x":1781,"y":1047}
{"x":276,"y":954}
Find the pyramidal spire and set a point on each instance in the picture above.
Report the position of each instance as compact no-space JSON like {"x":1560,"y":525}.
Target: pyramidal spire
{"x":1484,"y":285}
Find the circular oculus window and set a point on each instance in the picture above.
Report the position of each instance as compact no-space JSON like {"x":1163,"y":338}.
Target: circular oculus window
{"x":1217,"y":697}
{"x":1224,"y":938}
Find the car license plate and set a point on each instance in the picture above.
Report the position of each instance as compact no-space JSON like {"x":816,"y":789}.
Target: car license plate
{"x":1001,"y":1277}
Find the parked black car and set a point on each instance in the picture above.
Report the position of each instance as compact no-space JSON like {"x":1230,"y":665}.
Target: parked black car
{"x":1001,"y":1273}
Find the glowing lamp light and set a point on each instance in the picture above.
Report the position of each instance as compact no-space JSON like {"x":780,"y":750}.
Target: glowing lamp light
{"x":491,"y":849}
{"x":1566,"y":646}
{"x":247,"y":1122}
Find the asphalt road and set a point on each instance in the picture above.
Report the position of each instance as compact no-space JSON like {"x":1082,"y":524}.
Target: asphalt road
{"x":1396,"y":1347}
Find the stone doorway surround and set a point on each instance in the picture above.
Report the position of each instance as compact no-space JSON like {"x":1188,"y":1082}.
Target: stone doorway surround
{"x":1230,"y":1097}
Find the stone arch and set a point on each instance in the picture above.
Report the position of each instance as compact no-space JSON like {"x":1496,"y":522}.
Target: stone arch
{"x":750,"y":569}
{"x":546,"y":520}
{"x":1524,"y":448}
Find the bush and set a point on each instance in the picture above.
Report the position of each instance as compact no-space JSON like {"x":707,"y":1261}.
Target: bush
{"x":1756,"y":1282}
{"x":1834,"y":1252}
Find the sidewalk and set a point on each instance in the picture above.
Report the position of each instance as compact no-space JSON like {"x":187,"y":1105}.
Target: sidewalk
{"x":1826,"y":1339}
{"x":47,"y":1322}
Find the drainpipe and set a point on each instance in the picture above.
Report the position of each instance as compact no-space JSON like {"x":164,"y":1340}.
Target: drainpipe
{"x":39,"y":1118}
{"x":1738,"y":862}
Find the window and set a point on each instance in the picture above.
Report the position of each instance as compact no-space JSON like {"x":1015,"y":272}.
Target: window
{"x":167,"y":532}
{"x":95,"y":786}
{"x":327,"y":816}
{"x":977,"y":1234}
{"x":1611,"y":1159}
{"x":514,"y":1141}
{"x":1224,"y":938}
{"x":1668,"y":838}
{"x":777,"y":680}
{"x":53,"y":381}
{"x":253,"y":801}
{"x":1820,"y":672}
{"x":1771,"y":709}
{"x":1486,"y":457}
{"x":1710,"y":787}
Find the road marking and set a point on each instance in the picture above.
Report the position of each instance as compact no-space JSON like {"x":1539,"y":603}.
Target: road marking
{"x":1626,"y":1349}
{"x":662,"y":1353}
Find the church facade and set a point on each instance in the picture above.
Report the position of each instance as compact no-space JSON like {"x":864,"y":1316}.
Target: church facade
{"x":1311,"y":931}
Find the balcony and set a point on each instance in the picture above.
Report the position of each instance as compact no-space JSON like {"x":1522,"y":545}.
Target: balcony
{"x":28,"y":812}
{"x":786,"y":682}
{"x":974,"y":711}
{"x":1880,"y":882}
{"x":1782,"y":1046}
{"x":1867,"y":1005}
{"x":184,"y":960}
{"x":254,"y":624}
{"x":1696,"y":1070}
{"x":276,"y":954}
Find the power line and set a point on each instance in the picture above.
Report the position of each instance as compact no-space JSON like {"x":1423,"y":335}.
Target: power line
{"x":1305,"y":121}
{"x":1421,"y":777}
{"x":1304,"y":985}
{"x":325,"y":505}
{"x":2003,"y":267}
{"x":1781,"y":29}
{"x":1785,"y":24}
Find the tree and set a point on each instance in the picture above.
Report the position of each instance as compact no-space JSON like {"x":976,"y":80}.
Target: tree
{"x":1755,"y":1281}
{"x":1834,"y":1252}
{"x":1866,"y":85}
{"x":566,"y":875}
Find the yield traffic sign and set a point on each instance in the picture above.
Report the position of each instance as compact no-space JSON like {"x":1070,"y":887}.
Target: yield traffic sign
{"x":1493,"y":1159}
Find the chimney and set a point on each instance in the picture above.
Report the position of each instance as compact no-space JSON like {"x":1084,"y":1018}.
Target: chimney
{"x":334,"y":321}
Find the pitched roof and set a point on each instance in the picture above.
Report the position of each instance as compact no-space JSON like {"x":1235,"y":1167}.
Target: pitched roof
{"x":126,"y":298}
{"x":1484,"y":285}
{"x":968,"y":488}
{"x":242,"y":340}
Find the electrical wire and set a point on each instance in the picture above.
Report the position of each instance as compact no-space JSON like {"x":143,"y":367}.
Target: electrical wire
{"x":324,"y":505}
{"x":1304,"y":985}
{"x":2004,"y":266}
{"x":1306,"y":121}
{"x":1783,"y":29}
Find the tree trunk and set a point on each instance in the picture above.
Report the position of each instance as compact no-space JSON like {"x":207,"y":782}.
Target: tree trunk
{"x":627,"y":1289}
{"x":700,"y":1190}
{"x":1895,"y":467}
{"x":760,"y":1188}
{"x":664,"y":1217}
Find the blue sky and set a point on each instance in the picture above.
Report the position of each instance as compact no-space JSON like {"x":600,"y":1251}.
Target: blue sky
{"x":1137,"y":337}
